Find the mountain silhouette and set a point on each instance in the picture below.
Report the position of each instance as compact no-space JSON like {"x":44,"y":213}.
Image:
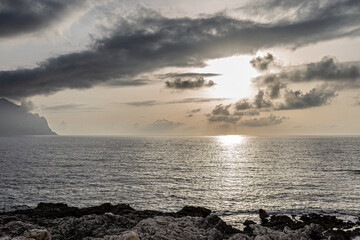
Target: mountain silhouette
{"x":15,"y":120}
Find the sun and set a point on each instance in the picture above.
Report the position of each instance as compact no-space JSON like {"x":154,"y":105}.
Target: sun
{"x":235,"y":76}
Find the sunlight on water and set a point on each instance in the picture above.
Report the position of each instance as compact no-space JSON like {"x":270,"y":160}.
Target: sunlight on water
{"x":232,"y":175}
{"x":231,"y":140}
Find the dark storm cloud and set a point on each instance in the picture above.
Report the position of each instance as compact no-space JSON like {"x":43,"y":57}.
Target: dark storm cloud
{"x":151,"y":42}
{"x":162,"y":125}
{"x":185,"y":100}
{"x":314,"y":98}
{"x":182,"y":84}
{"x":262,"y":63}
{"x":262,"y":122}
{"x":27,"y":16}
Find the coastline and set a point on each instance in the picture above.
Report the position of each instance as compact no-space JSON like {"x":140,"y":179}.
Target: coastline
{"x":107,"y":221}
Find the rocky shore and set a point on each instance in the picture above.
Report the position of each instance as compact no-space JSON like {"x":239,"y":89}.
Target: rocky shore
{"x":121,"y":222}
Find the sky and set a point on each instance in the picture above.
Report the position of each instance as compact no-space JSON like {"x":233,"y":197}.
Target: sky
{"x":166,"y":67}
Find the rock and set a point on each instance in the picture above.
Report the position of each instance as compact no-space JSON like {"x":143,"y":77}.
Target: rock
{"x":194,"y":211}
{"x":16,"y":228}
{"x":263,"y":215}
{"x":57,"y":221}
{"x":129,"y":235}
{"x":326,"y":221}
{"x":241,"y":236}
{"x":17,"y":120}
{"x":38,"y":234}
{"x":281,"y":221}
{"x":248,"y":222}
{"x":213,"y":221}
{"x":175,"y":229}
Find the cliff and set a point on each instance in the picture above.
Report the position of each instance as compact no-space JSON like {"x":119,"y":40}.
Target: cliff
{"x":14,"y":120}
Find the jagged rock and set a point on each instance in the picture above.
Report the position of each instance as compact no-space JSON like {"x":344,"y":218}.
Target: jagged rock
{"x":263,"y":215}
{"x":213,"y":221}
{"x":112,"y":222}
{"x":241,"y":236}
{"x":175,"y":228}
{"x":194,"y":211}
{"x":38,"y":234}
{"x":248,"y":222}
{"x":128,"y":235}
{"x":281,"y":221}
{"x":326,"y":221}
{"x":312,"y":231}
{"x":19,"y":230}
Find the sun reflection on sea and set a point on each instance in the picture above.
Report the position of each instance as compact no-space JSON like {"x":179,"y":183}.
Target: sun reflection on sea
{"x":231,"y":140}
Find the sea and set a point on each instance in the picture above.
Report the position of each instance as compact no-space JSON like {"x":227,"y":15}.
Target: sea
{"x":234,"y":176}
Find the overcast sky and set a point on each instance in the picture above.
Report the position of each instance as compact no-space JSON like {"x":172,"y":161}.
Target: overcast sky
{"x":184,"y":67}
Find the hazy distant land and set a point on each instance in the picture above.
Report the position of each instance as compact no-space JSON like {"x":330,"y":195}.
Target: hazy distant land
{"x":16,"y":120}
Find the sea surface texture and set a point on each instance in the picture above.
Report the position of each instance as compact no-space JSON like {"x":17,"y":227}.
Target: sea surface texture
{"x":232,"y":175}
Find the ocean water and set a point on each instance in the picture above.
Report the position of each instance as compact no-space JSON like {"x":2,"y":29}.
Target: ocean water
{"x":232,"y":175}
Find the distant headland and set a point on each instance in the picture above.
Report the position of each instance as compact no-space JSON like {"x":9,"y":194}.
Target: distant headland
{"x":15,"y":120}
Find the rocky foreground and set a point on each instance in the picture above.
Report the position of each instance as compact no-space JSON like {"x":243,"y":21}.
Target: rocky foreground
{"x":121,"y":222}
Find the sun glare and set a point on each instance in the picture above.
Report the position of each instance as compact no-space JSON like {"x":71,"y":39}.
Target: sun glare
{"x":235,"y":76}
{"x":229,"y":140}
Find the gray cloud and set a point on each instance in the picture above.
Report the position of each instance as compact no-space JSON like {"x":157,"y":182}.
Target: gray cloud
{"x":264,"y":121}
{"x":192,"y":112}
{"x":150,"y":42}
{"x":162,"y":125}
{"x":343,"y":75}
{"x":67,"y":107}
{"x":251,"y":112}
{"x":27,"y":16}
{"x":262,"y":63}
{"x":188,"y":75}
{"x":221,"y":110}
{"x":143,"y":103}
{"x":314,"y":98}
{"x":182,"y":84}
{"x":243,"y":104}
{"x":222,"y":114}
{"x":195,"y":110}
{"x":151,"y":103}
{"x":261,"y":101}
{"x":27,"y":105}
